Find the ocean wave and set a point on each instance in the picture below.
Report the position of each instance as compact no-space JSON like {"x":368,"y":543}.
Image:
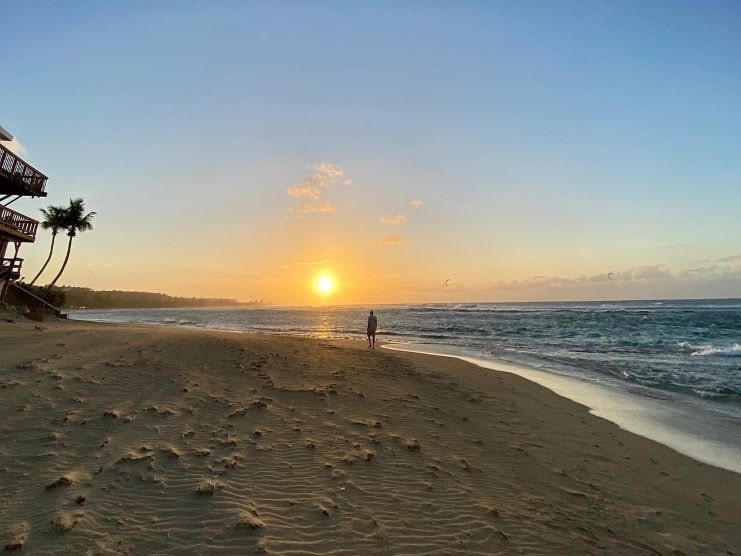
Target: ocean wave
{"x":686,"y":347}
{"x":710,"y":395}
{"x":733,"y":351}
{"x":415,"y":335}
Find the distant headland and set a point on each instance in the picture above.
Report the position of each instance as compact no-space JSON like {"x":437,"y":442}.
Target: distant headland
{"x":78,"y":298}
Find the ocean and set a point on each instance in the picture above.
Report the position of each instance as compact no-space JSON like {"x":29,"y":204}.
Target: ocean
{"x":667,"y":369}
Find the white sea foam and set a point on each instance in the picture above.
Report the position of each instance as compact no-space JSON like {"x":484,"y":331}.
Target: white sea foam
{"x":683,"y":424}
{"x":733,"y":351}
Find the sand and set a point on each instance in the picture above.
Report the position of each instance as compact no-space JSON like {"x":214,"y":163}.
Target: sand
{"x":128,"y":439}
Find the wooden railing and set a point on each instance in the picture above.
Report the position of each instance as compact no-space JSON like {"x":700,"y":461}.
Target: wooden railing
{"x":13,"y":167}
{"x":18,"y":221}
{"x":10,"y":268}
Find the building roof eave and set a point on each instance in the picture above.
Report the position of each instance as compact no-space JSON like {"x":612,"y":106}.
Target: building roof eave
{"x":5,"y":135}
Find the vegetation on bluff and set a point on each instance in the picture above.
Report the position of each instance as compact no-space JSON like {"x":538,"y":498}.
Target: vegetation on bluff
{"x":76,"y":297}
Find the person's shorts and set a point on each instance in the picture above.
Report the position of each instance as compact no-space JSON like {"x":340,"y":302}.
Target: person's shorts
{"x":371,"y":331}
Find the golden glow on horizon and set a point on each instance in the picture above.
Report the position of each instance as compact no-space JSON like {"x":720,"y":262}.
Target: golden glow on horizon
{"x":325,"y":284}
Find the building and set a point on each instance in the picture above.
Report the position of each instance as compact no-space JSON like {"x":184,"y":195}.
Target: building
{"x":17,"y":179}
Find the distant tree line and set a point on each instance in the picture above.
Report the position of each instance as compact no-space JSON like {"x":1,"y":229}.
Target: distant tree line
{"x":75,"y":297}
{"x":55,"y":296}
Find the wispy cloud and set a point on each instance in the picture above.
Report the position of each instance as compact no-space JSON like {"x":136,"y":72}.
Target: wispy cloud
{"x":727,"y":271}
{"x":308,"y":208}
{"x":398,"y":219}
{"x":415,"y":203}
{"x":393,"y":239}
{"x":324,"y":176}
{"x":639,"y":274}
{"x":701,"y":272}
{"x":673,"y":246}
{"x":311,"y":263}
{"x":652,"y":272}
{"x":328,"y":172}
{"x":304,"y":189}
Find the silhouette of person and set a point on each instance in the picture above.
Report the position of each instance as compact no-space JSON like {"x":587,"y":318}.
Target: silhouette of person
{"x":372,"y":327}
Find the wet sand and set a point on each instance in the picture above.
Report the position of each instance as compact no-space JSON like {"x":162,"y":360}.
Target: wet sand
{"x":122,"y":439}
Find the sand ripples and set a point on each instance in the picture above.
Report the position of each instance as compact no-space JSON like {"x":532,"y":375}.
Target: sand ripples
{"x":273,"y":445}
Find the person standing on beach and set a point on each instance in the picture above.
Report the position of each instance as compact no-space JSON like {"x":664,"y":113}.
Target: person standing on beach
{"x":372,"y":327}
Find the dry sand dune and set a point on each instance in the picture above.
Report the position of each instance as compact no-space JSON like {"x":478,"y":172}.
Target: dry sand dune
{"x":143,"y":440}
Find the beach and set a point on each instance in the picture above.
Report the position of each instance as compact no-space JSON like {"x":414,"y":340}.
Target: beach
{"x":144,"y":439}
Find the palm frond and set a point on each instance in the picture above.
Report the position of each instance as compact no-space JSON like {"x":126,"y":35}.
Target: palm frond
{"x":76,"y":220}
{"x":55,"y":218}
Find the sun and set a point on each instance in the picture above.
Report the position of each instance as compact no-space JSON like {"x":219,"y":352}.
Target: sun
{"x":325,"y":284}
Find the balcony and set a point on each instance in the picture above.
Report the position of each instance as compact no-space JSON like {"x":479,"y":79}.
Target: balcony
{"x":19,"y":178}
{"x":10,"y":269}
{"x":16,"y":225}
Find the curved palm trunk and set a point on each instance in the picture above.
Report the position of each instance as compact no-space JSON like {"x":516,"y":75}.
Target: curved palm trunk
{"x":64,"y":264}
{"x":43,"y":268}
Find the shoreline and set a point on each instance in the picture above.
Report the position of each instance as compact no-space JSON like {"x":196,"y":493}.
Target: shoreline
{"x":651,"y":417}
{"x":221,"y":441}
{"x":670,"y":418}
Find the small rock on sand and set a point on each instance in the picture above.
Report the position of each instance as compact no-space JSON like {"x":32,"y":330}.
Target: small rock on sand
{"x":413,"y":445}
{"x":249,"y":520}
{"x":208,"y":488}
{"x":170,"y":452}
{"x":61,"y":481}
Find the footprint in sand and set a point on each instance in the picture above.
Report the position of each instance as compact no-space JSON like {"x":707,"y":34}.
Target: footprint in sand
{"x":65,"y":522}
{"x":18,"y":535}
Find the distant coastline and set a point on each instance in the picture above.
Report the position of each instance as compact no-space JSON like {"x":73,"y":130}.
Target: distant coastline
{"x":87,"y":298}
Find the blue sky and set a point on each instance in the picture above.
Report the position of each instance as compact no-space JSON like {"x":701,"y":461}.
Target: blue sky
{"x":548,"y":141}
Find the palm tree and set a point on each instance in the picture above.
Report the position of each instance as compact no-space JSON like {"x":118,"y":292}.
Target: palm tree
{"x":54,"y":221}
{"x":75,"y":221}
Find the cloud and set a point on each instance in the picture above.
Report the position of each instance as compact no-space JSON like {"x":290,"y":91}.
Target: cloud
{"x":398,"y":219}
{"x":416,"y":203}
{"x":393,"y":239}
{"x":673,"y":246}
{"x":701,"y":272}
{"x":309,"y":263}
{"x":308,"y":208}
{"x":724,"y":271}
{"x":653,"y":272}
{"x":328,"y":172}
{"x":639,"y":274}
{"x":323,"y":177}
{"x":304,"y":189}
{"x":15,"y":146}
